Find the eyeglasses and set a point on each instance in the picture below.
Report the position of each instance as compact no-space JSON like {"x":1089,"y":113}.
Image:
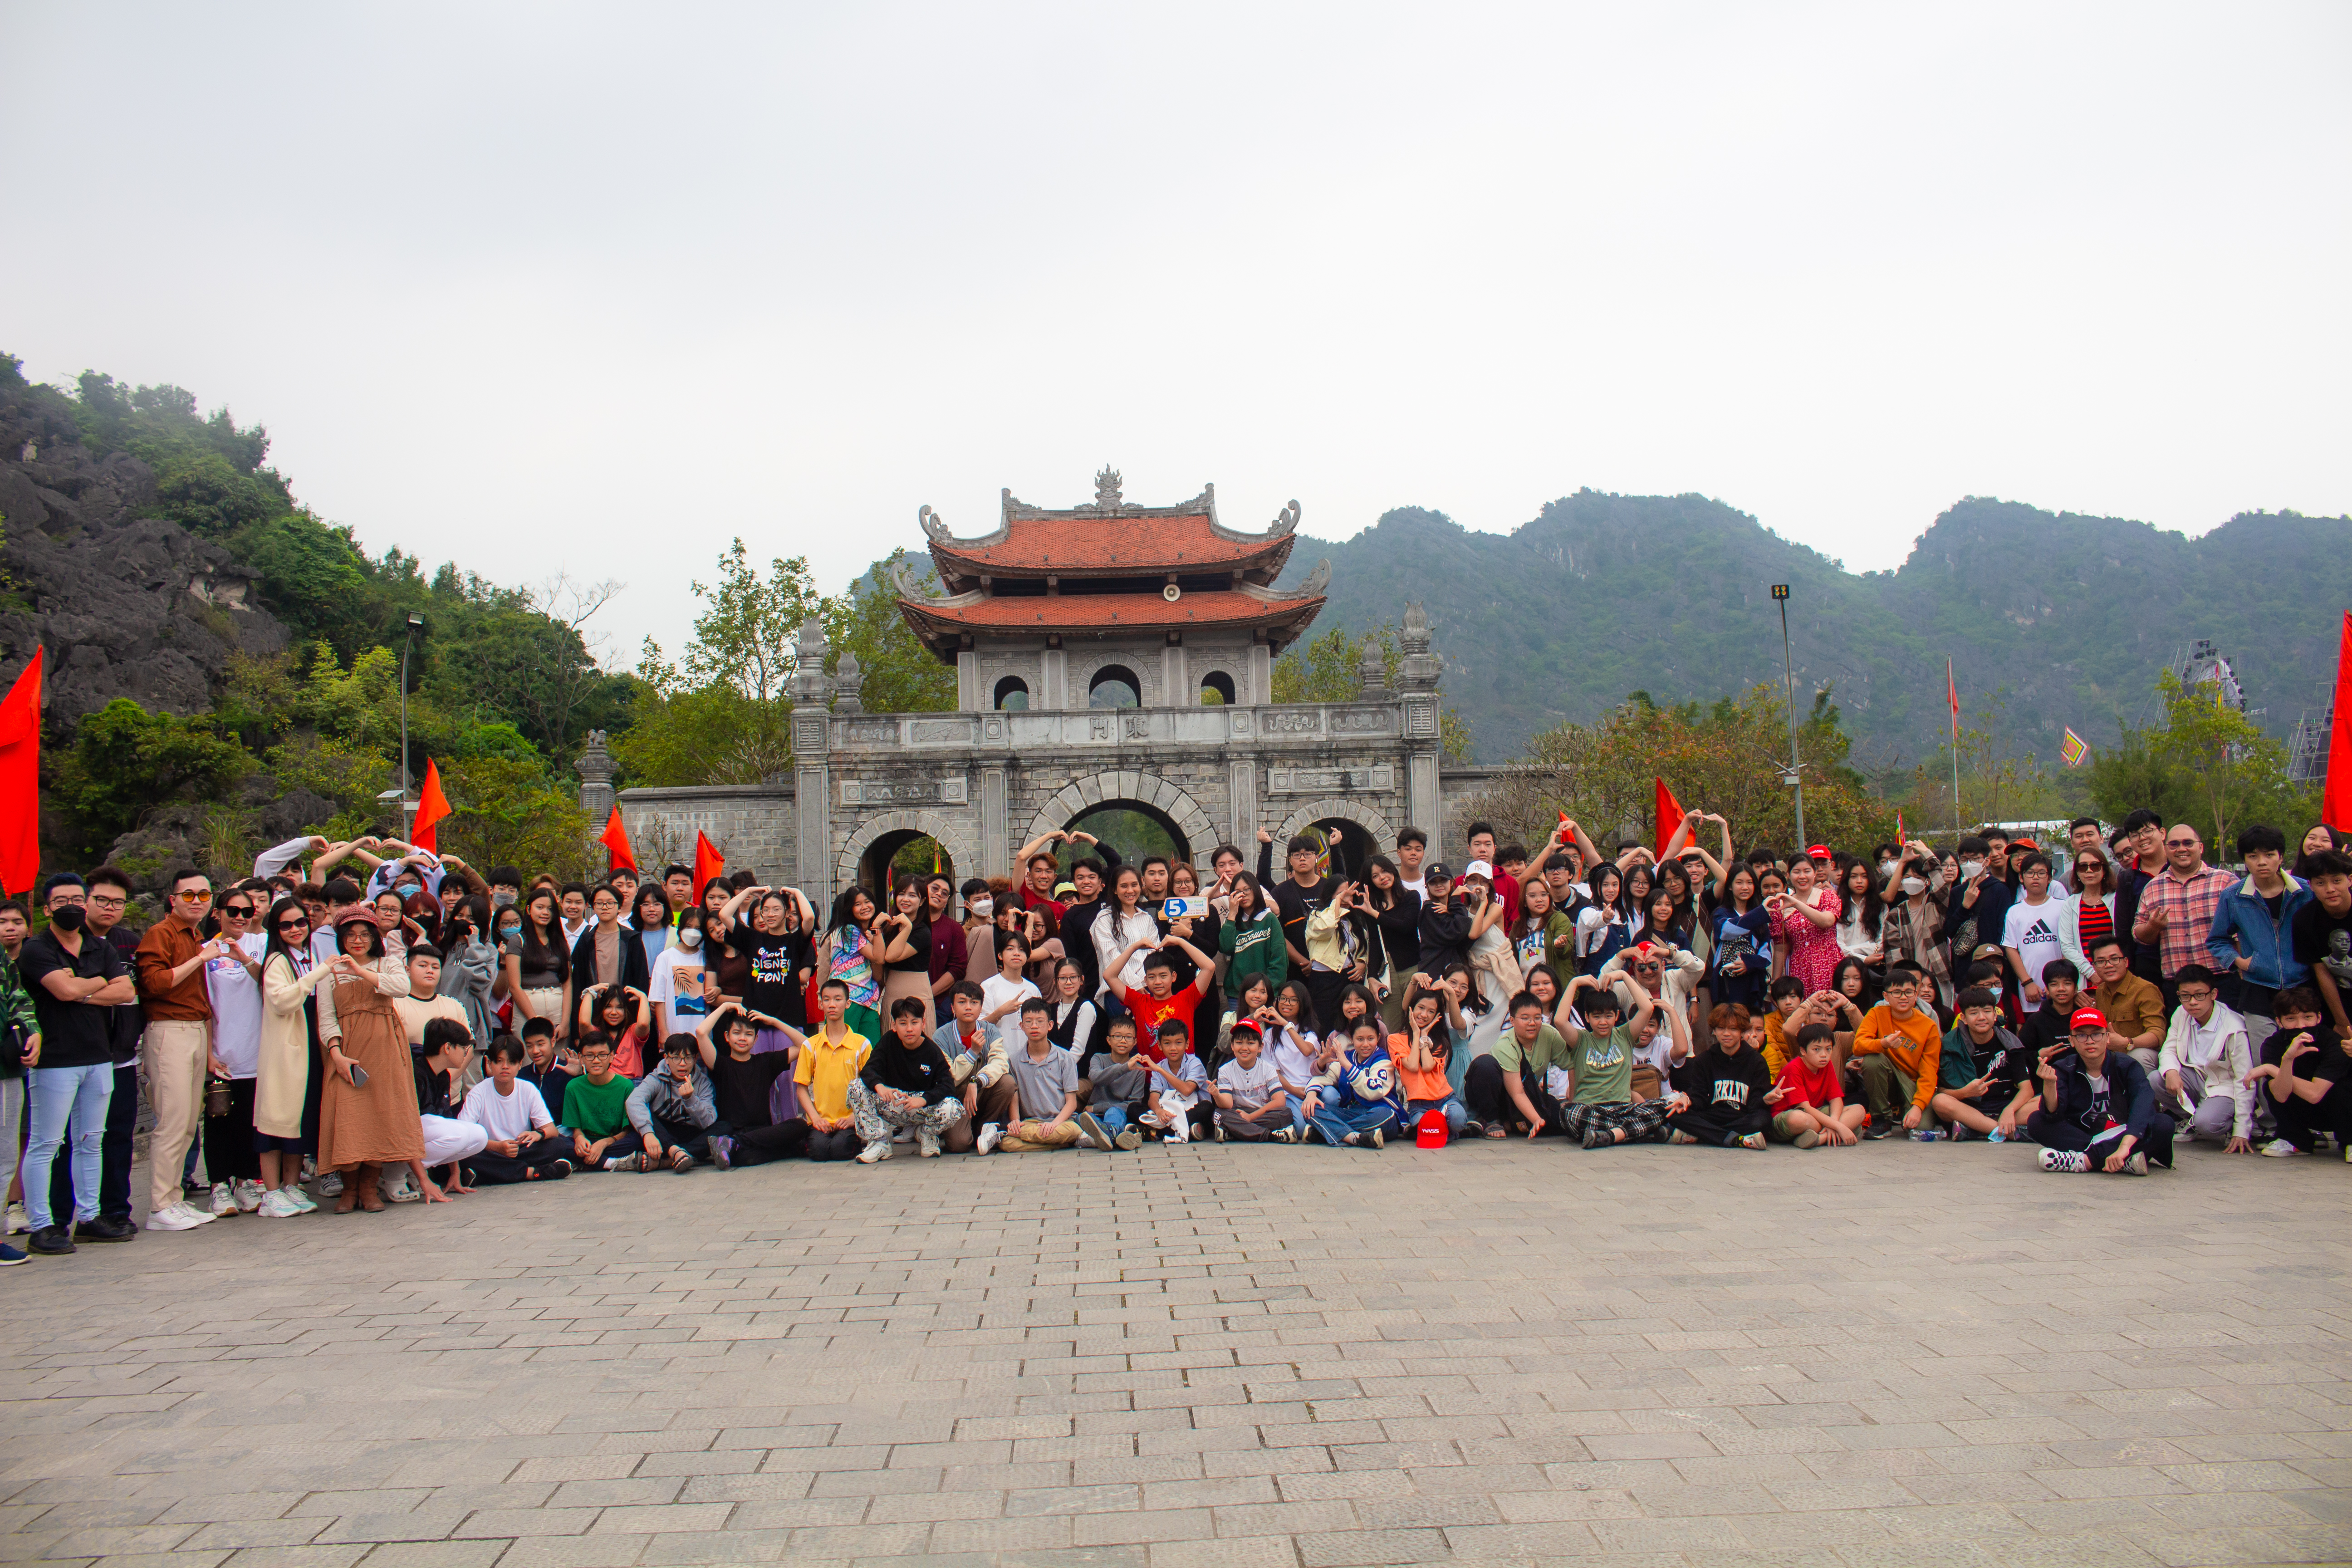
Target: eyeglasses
{"x":2180,"y":844}
{"x":102,"y":902}
{"x":2198,"y":995}
{"x":203,"y":896}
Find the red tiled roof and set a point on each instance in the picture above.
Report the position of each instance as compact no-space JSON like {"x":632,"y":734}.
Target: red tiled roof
{"x":1111,"y":547}
{"x":1013,"y":614}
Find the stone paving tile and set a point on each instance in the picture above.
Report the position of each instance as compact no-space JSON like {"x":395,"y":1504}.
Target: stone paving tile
{"x":1262,"y":1358}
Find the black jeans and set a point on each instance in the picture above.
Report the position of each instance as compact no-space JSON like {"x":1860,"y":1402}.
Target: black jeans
{"x":758,"y":1145}
{"x":1485,"y":1093}
{"x":844,"y":1144}
{"x":491,"y":1170}
{"x":114,"y":1181}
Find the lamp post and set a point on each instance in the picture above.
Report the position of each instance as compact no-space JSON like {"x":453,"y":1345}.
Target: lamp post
{"x":408,"y":641}
{"x":1796,"y":777}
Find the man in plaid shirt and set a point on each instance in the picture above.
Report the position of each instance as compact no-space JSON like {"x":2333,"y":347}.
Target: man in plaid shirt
{"x":2176,"y":908}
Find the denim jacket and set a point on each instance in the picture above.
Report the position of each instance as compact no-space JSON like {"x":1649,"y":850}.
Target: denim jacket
{"x":2242,"y":925}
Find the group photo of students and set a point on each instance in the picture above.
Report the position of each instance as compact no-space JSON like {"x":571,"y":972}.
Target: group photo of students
{"x":363,"y":1024}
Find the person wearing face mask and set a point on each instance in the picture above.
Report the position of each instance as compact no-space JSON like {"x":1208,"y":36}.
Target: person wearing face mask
{"x":980,"y":900}
{"x":1978,"y":910}
{"x":684,"y":980}
{"x":1912,"y":928}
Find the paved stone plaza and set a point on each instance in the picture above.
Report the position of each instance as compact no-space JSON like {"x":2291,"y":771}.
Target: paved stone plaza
{"x":1892,"y":1355}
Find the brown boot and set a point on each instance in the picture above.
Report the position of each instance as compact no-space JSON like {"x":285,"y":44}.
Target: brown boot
{"x":371,"y":1188}
{"x":350,"y":1194}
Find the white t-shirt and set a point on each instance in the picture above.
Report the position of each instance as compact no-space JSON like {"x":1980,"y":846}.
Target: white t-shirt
{"x":2033,"y":931}
{"x":995,"y":993}
{"x":1249,"y":1086}
{"x":663,"y":992}
{"x":237,"y":1009}
{"x":504,"y":1116}
{"x":1290,"y":1056}
{"x":1418,"y":888}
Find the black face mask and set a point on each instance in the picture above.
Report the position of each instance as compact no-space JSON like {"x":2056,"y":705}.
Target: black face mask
{"x":68,"y":919}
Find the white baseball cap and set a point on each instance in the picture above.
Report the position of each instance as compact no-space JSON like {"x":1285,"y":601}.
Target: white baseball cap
{"x":1478,"y":869}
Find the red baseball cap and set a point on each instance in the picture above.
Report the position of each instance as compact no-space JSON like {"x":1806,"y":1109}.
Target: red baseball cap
{"x":1818,"y":852}
{"x":2088,"y":1018}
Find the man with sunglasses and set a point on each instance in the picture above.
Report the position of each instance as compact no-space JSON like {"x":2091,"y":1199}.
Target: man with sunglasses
{"x":170,"y":964}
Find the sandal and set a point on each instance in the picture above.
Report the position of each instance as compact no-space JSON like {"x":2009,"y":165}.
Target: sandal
{"x":1496,"y":1130}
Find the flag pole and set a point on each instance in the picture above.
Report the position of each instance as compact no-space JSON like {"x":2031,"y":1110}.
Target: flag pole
{"x":1952,"y":695}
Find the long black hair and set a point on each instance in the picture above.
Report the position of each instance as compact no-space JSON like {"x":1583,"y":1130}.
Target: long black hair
{"x":542,"y":946}
{"x":297,"y":958}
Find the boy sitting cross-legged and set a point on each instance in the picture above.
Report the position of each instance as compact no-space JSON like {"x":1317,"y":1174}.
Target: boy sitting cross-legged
{"x":1730,"y":1093}
{"x":829,"y":1057}
{"x":596,"y":1109}
{"x":1049,"y":1083}
{"x":1811,"y":1109}
{"x":1249,"y":1099}
{"x":1986,"y":1073}
{"x":1601,"y":1111}
{"x":520,"y":1138}
{"x":905,"y":1083}
{"x":743,"y":1085}
{"x":674,"y":1111}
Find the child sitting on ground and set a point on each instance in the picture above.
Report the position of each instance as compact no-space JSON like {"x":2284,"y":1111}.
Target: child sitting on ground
{"x":1178,"y":1091}
{"x":521,"y":1141}
{"x":1121,"y":1081}
{"x":982,"y":1064}
{"x":1047,"y":1080}
{"x":1986,"y":1074}
{"x":674,"y":1110}
{"x":743,"y":1086}
{"x":596,"y":1109}
{"x":1250,"y":1098}
{"x":1811,"y":1109}
{"x":1731,"y":1096}
{"x":545,"y":1071}
{"x":1368,"y":1107}
{"x":904,"y":1083}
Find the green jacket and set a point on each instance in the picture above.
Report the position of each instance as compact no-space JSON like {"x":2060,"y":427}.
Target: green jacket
{"x":1256,"y":947}
{"x":16,"y":1008}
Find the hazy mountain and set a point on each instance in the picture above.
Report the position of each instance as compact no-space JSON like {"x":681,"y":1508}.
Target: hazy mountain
{"x":1603,"y":594}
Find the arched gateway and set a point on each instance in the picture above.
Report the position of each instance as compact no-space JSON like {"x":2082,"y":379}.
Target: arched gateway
{"x":1105,"y":656}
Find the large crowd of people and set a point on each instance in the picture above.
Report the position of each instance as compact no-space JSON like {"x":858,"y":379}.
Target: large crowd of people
{"x":366,"y":1023}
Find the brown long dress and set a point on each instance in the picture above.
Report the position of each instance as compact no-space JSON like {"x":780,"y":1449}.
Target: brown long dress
{"x":911,"y":976}
{"x":377,"y":1125}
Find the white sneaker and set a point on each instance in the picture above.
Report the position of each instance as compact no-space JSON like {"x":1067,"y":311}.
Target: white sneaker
{"x":223,"y":1200}
{"x":179,"y":1216}
{"x":249,"y":1194}
{"x":19,"y":1220}
{"x":991,"y":1135}
{"x":274,"y":1205}
{"x":876,"y":1153}
{"x":2066,"y":1160}
{"x":299,"y":1199}
{"x":2279,"y":1149}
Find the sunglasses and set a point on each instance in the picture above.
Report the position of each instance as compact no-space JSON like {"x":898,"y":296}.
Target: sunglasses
{"x":237,"y":911}
{"x":293,"y":922}
{"x":203,"y":898}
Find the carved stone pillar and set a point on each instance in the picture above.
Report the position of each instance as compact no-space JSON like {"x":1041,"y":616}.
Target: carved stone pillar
{"x":1241,"y":793}
{"x":595,"y":769}
{"x":1175,"y":689}
{"x":996,"y":844}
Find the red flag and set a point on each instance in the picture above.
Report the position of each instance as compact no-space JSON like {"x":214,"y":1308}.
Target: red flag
{"x":2335,"y":806}
{"x":1669,"y":815}
{"x":432,"y":805}
{"x":1952,"y":695}
{"x":615,"y":840}
{"x":20,"y":780}
{"x":708,"y":863}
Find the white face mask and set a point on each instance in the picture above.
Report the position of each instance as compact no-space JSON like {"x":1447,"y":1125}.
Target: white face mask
{"x":1913,"y":886}
{"x":1970,"y":867}
{"x":981,"y":908}
{"x":1886,"y":868}
{"x":690,"y":939}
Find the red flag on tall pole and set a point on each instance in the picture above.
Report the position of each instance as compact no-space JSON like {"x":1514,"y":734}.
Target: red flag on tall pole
{"x":1952,"y":696}
{"x":20,"y":780}
{"x":432,"y":805}
{"x":708,"y":863}
{"x":1670,"y":813}
{"x":615,"y":840}
{"x":2335,"y":806}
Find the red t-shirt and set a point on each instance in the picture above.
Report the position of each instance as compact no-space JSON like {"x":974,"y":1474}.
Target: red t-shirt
{"x":1150,"y":1012}
{"x":1804,"y":1086}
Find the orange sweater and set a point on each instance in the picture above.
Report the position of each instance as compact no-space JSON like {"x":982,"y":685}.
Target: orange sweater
{"x":1914,"y":1044}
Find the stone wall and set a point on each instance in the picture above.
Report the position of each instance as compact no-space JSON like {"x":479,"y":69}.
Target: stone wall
{"x":752,"y":824}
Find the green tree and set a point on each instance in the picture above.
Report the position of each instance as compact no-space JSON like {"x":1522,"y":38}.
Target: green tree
{"x":125,"y":761}
{"x":747,"y":636}
{"x":506,"y":810}
{"x":1329,"y":668}
{"x":899,"y":675}
{"x":2209,"y":765}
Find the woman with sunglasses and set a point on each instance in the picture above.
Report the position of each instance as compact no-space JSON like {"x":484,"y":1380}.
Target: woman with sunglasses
{"x":284,"y":1089}
{"x":233,"y":985}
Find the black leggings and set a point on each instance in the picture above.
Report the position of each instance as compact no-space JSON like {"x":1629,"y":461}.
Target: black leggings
{"x":230,"y":1153}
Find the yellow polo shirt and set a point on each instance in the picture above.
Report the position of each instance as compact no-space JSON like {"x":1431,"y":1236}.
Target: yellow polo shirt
{"x":826,"y":1068}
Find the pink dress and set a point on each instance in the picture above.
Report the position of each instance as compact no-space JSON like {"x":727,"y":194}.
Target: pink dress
{"x":1813,"y":951}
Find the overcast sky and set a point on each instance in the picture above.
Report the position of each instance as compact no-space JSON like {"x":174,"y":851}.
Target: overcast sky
{"x":599,"y":288}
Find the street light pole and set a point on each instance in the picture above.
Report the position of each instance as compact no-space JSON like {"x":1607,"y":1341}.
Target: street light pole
{"x":408,"y":641}
{"x":1788,"y":676}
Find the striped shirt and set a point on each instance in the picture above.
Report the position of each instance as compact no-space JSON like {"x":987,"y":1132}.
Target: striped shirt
{"x":2186,"y":906}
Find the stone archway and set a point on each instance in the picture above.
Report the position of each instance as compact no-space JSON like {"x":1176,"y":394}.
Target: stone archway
{"x":1144,"y":789}
{"x":1380,"y":832}
{"x":954,"y":835}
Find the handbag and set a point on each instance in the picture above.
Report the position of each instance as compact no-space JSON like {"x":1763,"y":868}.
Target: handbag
{"x":216,"y":1097}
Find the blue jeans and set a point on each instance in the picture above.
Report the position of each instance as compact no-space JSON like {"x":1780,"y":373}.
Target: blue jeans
{"x":62,"y":1097}
{"x":1457,"y":1118}
{"x":1113,"y":1117}
{"x":1304,"y":1107}
{"x":1336,"y":1122}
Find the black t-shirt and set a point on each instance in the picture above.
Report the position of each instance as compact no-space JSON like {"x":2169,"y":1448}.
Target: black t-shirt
{"x":923,"y":1070}
{"x":2007,"y":1064}
{"x":437,"y":1096}
{"x":73,"y":1033}
{"x":550,"y":1081}
{"x":776,"y":963}
{"x":919,"y":939}
{"x":2324,"y":942}
{"x":2040,"y":1031}
{"x":742,"y":1089}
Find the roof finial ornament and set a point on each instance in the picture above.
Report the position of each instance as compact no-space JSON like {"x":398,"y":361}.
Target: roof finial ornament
{"x":934,"y":524}
{"x":1317,"y":580}
{"x":1107,"y":489}
{"x":1283,"y":522}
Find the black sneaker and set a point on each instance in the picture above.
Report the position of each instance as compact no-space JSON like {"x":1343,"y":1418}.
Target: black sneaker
{"x":1877,"y":1130}
{"x":105,"y":1229}
{"x":558,"y":1169}
{"x":50,"y":1241}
